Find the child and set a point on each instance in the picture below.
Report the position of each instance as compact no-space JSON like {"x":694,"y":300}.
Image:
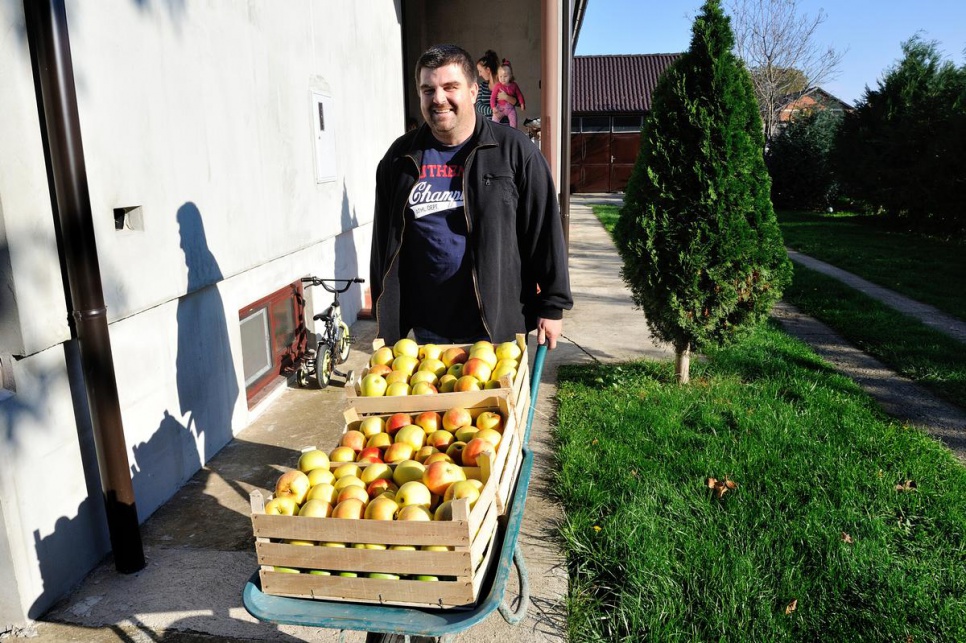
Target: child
{"x":502,"y":107}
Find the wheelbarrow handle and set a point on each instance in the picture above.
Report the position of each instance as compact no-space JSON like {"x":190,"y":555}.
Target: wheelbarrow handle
{"x":535,"y":387}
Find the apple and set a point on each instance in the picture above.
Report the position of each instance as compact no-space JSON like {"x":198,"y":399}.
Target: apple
{"x":483,"y":343}
{"x":492,"y":384}
{"x":379,"y":369}
{"x":375,"y":471}
{"x":411,"y":434}
{"x":403,"y":547}
{"x":360,"y":493}
{"x":488,"y":356}
{"x":456,"y":370}
{"x":465,"y":433}
{"x":405,"y":346}
{"x":440,"y":475}
{"x":440,"y":439}
{"x":320,"y":572}
{"x":490,"y":435}
{"x":508,"y":350}
{"x":397,"y":376}
{"x":447,"y":383}
{"x":469,"y":489}
{"x":423,"y":376}
{"x":424,"y":452}
{"x":324,"y":492}
{"x":414,"y":512}
{"x":434,"y":366}
{"x":396,"y":421}
{"x":379,"y":440}
{"x":426,"y":578}
{"x":405,"y":364}
{"x":372,"y":425}
{"x":489,"y":420}
{"x":373,"y":386}
{"x":423,"y":388}
{"x":355,"y":440}
{"x":429,"y":421}
{"x":352,"y":509}
{"x":316,"y":508}
{"x":407,"y":471}
{"x":474,"y":449}
{"x":347,"y":469}
{"x":382,"y":576}
{"x":444,"y":511}
{"x":319,"y":476}
{"x":456,"y":417}
{"x":285,"y":570}
{"x":382,"y":355}
{"x":503,"y":371}
{"x":342,"y":454}
{"x":431,"y":351}
{"x":454,"y":355}
{"x":398,"y":452}
{"x":436,"y":548}
{"x":281,"y":506}
{"x":293,"y":484}
{"x":381,"y":508}
{"x":467,"y":383}
{"x":348,"y":575}
{"x":397,"y":389}
{"x":369,"y":455}
{"x":455,"y":451}
{"x":313,"y":459}
{"x":379,"y":487}
{"x":439,"y":456}
{"x":477,"y":368}
{"x":348,"y":481}
{"x":414,"y":492}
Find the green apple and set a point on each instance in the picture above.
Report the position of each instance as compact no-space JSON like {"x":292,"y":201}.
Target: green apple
{"x":382,"y":355}
{"x":413,"y":492}
{"x":397,"y":389}
{"x":324,"y":492}
{"x":508,"y":350}
{"x":489,"y":420}
{"x":313,"y":459}
{"x":373,"y":386}
{"x":406,"y":346}
{"x":407,"y":471}
{"x":320,"y":476}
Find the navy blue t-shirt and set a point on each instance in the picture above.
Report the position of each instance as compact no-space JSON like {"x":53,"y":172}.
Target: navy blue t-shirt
{"x":438,"y":292}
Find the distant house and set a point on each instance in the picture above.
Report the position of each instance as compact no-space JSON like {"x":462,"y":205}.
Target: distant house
{"x":610,"y":96}
{"x":812,"y":100}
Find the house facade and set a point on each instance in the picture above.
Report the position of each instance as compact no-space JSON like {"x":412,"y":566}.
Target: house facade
{"x":611,"y":95}
{"x":815,"y":99}
{"x":228,"y":149}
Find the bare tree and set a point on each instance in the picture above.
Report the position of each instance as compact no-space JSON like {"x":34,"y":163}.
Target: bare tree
{"x":778,"y":45}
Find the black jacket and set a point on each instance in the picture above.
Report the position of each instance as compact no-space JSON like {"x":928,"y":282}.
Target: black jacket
{"x":515,"y":231}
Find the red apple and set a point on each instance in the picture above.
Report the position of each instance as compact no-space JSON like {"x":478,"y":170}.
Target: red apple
{"x":353,"y":491}
{"x":440,"y":475}
{"x":478,"y":368}
{"x":474,"y":449}
{"x":355,"y":440}
{"x":381,"y":508}
{"x":456,"y":417}
{"x":369,"y":455}
{"x":429,"y":421}
{"x":379,"y":369}
{"x":397,"y":421}
{"x":454,"y":355}
{"x":379,"y":486}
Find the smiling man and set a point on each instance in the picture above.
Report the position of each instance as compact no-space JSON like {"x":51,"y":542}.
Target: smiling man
{"x":467,"y":241}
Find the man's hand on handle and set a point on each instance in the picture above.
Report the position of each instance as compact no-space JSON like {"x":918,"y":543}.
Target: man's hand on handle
{"x":548,"y":330}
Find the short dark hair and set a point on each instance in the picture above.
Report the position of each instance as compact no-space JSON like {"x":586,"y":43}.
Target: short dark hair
{"x":440,"y":55}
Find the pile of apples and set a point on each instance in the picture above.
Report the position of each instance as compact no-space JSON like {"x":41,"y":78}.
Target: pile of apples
{"x":401,"y":467}
{"x":407,"y":368}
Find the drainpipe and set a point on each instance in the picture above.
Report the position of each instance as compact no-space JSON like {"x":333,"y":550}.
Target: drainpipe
{"x":566,"y":53}
{"x":46,"y":23}
{"x":550,"y":89}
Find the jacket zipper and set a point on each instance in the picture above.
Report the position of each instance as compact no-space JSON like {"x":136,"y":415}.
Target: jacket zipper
{"x":469,"y":232}
{"x":402,"y":233}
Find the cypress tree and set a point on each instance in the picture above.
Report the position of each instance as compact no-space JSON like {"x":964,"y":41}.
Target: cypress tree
{"x":701,"y":248}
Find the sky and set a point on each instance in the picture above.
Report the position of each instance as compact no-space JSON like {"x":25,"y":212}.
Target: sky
{"x":868,"y":32}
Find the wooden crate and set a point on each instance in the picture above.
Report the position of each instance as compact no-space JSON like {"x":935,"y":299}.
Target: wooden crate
{"x":518,"y":388}
{"x":461,"y":571}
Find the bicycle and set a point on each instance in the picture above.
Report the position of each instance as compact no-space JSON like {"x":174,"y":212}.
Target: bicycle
{"x":333,"y":343}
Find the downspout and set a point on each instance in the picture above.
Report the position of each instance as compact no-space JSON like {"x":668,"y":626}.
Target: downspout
{"x":46,"y":23}
{"x":550,"y":89}
{"x":566,"y":61}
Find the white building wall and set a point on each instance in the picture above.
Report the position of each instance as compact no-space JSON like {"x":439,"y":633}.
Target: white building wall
{"x":199,"y":113}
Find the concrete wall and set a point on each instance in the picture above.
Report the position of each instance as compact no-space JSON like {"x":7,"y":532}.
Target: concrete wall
{"x":199,"y":113}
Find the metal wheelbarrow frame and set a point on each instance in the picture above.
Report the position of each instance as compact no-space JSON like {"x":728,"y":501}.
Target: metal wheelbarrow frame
{"x":414,"y":621}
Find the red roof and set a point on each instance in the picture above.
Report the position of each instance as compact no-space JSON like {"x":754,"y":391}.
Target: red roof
{"x":616,"y":84}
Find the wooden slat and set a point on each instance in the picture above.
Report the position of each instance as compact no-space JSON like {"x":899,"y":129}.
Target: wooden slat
{"x":446,"y":594}
{"x":436,"y":563}
{"x":386,"y":532}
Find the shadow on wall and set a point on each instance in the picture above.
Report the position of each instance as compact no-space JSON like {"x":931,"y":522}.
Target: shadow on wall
{"x":347,"y":258}
{"x":206,"y":382}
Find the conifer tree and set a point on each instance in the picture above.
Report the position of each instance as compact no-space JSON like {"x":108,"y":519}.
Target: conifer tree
{"x":702,"y":251}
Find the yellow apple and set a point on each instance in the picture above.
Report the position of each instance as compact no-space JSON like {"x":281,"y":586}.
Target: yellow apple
{"x":348,"y":481}
{"x":372,"y":425}
{"x":432,"y":351}
{"x":352,"y":509}
{"x":477,"y":368}
{"x":373,"y":386}
{"x":406,"y":346}
{"x":375,"y":471}
{"x":509,"y":350}
{"x":490,"y":435}
{"x":456,"y":370}
{"x":455,"y":451}
{"x":414,"y":492}
{"x":347,"y":469}
{"x":423,"y":376}
{"x":405,"y":364}
{"x":294,"y":484}
{"x":444,"y":511}
{"x":469,"y":489}
{"x":324,"y":492}
{"x":423,"y":388}
{"x":503,"y":371}
{"x":382,"y":355}
{"x":440,"y":439}
{"x":397,"y":376}
{"x":397,"y":389}
{"x":398,"y":452}
{"x":465,"y":433}
{"x":319,"y":476}
{"x":355,"y":440}
{"x":407,"y":471}
{"x":316,"y":508}
{"x":379,"y":440}
{"x":424,"y":452}
{"x":489,"y":420}
{"x":381,"y":508}
{"x":467,"y":383}
{"x":313,"y":459}
{"x":439,"y":456}
{"x":484,"y":354}
{"x":281,"y":506}
{"x":447,"y":383}
{"x":414,"y":512}
{"x":411,"y":434}
{"x":432,"y":365}
{"x":353,"y":492}
{"x":342,"y":454}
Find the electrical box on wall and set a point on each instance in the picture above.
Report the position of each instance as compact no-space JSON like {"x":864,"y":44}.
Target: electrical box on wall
{"x":323,"y":115}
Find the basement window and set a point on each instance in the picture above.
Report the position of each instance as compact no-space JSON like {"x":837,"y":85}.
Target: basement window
{"x":129,"y":218}
{"x":272,"y":333}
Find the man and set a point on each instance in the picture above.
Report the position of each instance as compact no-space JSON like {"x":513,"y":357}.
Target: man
{"x":467,"y":240}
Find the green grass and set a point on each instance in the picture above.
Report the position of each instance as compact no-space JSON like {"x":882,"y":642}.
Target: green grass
{"x":902,"y":342}
{"x":608,"y":215}
{"x":926,"y":269}
{"x":654,"y":555}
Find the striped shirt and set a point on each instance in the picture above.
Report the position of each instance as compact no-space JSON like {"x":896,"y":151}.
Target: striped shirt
{"x":483,"y":100}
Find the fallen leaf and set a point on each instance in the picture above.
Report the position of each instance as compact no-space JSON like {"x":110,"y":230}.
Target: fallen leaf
{"x":711,"y":482}
{"x":908,"y":485}
{"x":721,"y":487}
{"x":594,"y":441}
{"x":791,"y":607}
{"x":597,"y":528}
{"x":847,"y":539}
{"x":634,"y":472}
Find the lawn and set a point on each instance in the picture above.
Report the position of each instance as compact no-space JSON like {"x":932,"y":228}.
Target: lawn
{"x":842,"y":524}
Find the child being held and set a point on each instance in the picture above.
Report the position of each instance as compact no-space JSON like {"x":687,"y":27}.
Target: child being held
{"x":502,"y":107}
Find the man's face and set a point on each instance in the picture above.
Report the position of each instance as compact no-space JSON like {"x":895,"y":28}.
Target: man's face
{"x":447,"y":100}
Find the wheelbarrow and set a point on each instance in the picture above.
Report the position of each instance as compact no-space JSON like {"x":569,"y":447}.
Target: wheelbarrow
{"x":381,"y":621}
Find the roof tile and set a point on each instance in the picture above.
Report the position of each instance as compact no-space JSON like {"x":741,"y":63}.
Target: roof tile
{"x":616,"y":84}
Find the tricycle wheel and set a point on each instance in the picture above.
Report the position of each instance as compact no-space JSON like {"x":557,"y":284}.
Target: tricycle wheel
{"x":323,"y":366}
{"x":302,"y":376}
